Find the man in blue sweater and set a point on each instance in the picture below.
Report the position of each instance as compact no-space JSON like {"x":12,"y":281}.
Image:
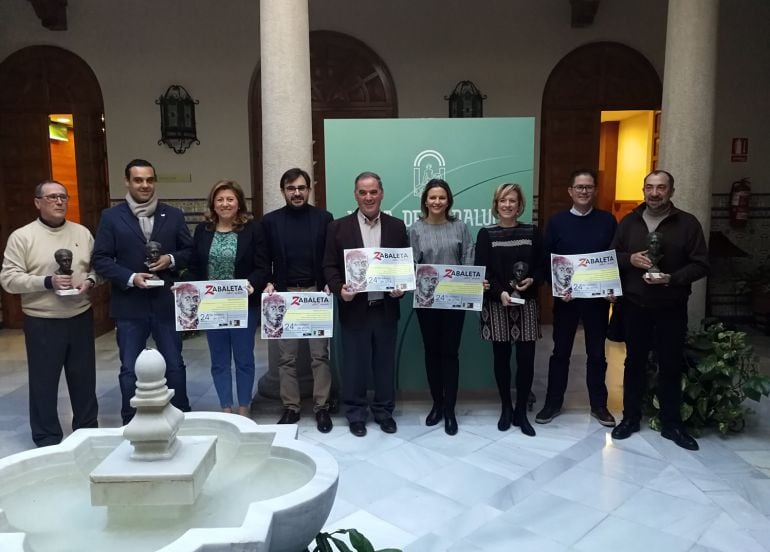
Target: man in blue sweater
{"x":581,"y":229}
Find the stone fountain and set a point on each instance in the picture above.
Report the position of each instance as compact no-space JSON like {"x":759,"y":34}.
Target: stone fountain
{"x":169,"y":482}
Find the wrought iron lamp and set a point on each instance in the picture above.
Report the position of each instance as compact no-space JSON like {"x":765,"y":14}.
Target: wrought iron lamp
{"x":466,"y":100}
{"x":177,"y":119}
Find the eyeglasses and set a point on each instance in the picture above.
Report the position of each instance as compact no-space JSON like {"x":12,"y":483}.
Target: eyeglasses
{"x":54,"y":197}
{"x":292,"y":189}
{"x":582,"y":188}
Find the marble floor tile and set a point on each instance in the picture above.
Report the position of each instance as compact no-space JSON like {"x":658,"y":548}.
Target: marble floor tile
{"x":458,"y":445}
{"x":757,"y":458}
{"x":469,"y":520}
{"x":554,"y":517}
{"x":672,"y":482}
{"x":623,"y":464}
{"x":411,"y":461}
{"x":592,"y":489}
{"x":363,"y":483}
{"x":430,"y":542}
{"x":615,"y":533}
{"x":464,"y":483}
{"x":727,"y":536}
{"x":501,"y":536}
{"x":670,"y":514}
{"x":414,"y":508}
{"x":496,"y":459}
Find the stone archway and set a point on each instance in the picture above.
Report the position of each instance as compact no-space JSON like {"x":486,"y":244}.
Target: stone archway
{"x":602,"y":76}
{"x":348,"y":81}
{"x":37,"y":81}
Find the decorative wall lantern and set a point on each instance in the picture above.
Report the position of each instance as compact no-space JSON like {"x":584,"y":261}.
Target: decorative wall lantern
{"x":177,"y":119}
{"x":466,"y":100}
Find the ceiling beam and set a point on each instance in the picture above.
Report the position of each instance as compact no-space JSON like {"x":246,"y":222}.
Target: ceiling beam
{"x":52,"y":13}
{"x":583,"y":12}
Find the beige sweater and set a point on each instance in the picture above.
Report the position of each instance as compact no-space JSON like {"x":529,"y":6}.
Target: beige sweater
{"x":29,"y":259}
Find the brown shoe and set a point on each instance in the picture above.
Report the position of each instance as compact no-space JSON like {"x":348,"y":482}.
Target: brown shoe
{"x":604,"y":416}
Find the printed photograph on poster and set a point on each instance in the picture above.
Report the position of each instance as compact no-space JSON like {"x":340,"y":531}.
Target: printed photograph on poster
{"x":451,"y":287}
{"x":379,"y":268}
{"x":297,"y":315}
{"x":586,"y":275}
{"x":211,"y":305}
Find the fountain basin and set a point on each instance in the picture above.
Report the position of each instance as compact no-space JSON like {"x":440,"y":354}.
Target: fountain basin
{"x":267,"y":491}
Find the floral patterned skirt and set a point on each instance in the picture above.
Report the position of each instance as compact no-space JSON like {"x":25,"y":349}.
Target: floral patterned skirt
{"x":512,"y":324}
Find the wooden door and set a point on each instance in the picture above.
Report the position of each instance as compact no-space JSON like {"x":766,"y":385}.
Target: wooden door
{"x":38,"y":81}
{"x":24,"y":163}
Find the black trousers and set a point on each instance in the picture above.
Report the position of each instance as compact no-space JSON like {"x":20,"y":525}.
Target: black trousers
{"x":370,"y":349}
{"x":441,"y":334}
{"x":665,"y":329}
{"x":53,"y":343}
{"x":595,"y":316}
{"x":525,"y":371}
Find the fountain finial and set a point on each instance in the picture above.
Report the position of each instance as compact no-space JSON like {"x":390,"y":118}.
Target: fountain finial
{"x":153,"y":429}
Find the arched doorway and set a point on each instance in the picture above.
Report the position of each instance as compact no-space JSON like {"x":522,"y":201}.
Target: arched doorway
{"x":39,"y":81}
{"x":348,"y":81}
{"x":602,"y":76}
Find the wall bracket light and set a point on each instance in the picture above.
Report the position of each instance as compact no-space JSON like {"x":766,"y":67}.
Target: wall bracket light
{"x":177,"y":119}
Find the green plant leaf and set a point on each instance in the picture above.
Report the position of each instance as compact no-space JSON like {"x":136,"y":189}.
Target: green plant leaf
{"x":341,"y":544}
{"x":685,"y":411}
{"x":322,"y":543}
{"x":359,"y":542}
{"x":654,"y":423}
{"x":655,"y":402}
{"x":693,"y":390}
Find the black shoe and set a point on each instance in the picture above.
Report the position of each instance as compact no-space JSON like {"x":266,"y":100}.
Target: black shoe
{"x":289,"y":417}
{"x":520,"y":420}
{"x":388,"y":425}
{"x":505,"y":419}
{"x":604,"y":416}
{"x":625,"y":429}
{"x":323,"y":421}
{"x":680,"y":437}
{"x":547,"y":414}
{"x":435,"y":415}
{"x":450,"y":424}
{"x":358,"y":428}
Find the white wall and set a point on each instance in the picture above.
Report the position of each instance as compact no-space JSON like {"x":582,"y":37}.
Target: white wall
{"x":137,"y":49}
{"x":507,"y":47}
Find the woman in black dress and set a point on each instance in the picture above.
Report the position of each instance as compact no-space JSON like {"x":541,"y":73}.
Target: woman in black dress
{"x":503,"y":321}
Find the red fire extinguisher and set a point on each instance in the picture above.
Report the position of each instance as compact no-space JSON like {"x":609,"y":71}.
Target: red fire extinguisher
{"x":740,"y":194}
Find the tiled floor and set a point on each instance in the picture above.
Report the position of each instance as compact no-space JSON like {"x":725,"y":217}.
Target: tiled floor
{"x":569,"y":488}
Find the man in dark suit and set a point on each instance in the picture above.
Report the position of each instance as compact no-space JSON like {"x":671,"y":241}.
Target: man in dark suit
{"x":296,"y":235}
{"x":139,"y":308}
{"x":369,"y":320}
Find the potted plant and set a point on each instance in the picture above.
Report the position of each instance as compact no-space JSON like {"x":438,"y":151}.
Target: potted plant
{"x":720,"y":372}
{"x":326,"y":542}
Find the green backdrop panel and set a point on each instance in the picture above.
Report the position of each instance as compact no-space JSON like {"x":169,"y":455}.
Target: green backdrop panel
{"x":474,"y":156}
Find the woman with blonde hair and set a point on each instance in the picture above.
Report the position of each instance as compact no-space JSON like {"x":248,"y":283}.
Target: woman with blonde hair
{"x":229,"y":245}
{"x":504,"y":322}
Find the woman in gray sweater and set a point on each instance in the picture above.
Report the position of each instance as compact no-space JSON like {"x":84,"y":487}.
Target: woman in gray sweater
{"x":440,"y":238}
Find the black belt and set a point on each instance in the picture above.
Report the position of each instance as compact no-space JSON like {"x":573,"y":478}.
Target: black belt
{"x":302,"y":283}
{"x":376,"y":303}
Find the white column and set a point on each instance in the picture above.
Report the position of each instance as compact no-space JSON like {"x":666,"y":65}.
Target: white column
{"x":687,"y":126}
{"x":287,"y":129}
{"x":287,"y":134}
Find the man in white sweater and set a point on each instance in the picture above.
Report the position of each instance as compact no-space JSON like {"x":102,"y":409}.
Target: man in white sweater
{"x":58,"y":320}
